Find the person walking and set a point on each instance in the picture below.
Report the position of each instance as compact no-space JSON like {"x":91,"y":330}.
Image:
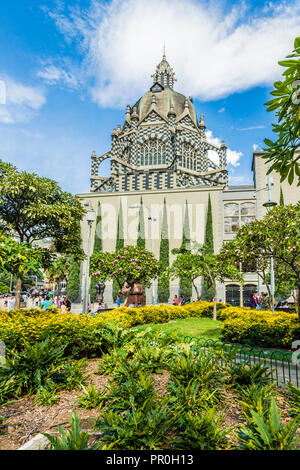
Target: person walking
{"x":118,"y":301}
{"x":46,"y":303}
{"x":11,"y":303}
{"x":66,"y":306}
{"x":175,"y":300}
{"x":254,"y":303}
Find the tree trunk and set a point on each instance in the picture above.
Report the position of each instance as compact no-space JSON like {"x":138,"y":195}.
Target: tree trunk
{"x":215,"y":305}
{"x":197,"y":291}
{"x":18,"y":291}
{"x":298,"y":302}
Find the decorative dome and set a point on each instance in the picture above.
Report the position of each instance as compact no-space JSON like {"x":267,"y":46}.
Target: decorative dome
{"x":164,"y":99}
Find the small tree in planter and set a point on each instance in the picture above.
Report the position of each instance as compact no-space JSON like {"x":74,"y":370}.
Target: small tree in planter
{"x":277,"y":235}
{"x":129,"y":265}
{"x":200,"y":262}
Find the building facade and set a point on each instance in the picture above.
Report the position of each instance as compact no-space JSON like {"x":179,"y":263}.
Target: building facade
{"x":161,"y":156}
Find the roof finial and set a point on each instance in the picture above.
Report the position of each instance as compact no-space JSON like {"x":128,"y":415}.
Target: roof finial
{"x":164,"y":51}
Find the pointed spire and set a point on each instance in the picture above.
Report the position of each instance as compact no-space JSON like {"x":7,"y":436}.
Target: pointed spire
{"x":223,"y":144}
{"x":127,"y":118}
{"x":134,"y":114}
{"x":164,"y":74}
{"x":202,"y":123}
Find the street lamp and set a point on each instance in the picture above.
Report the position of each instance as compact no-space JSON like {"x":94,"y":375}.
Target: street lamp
{"x":269,"y":205}
{"x":90,"y":217}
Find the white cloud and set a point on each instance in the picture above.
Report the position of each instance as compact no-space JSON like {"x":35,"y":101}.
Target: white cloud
{"x":252,"y":128}
{"x":214,"y":51}
{"x":242,"y":179}
{"x":233,"y":156}
{"x":222,"y":110}
{"x":54,"y":75}
{"x":21,"y":102}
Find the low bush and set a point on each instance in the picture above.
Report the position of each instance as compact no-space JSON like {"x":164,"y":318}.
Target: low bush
{"x":267,"y":431}
{"x":259,"y":328}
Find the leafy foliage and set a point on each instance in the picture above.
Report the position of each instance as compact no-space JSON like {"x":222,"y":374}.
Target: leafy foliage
{"x":91,"y":398}
{"x":33,"y":367}
{"x":260,"y":239}
{"x":163,"y":288}
{"x":73,"y":279}
{"x":74,"y":439}
{"x":141,"y":242}
{"x":244,"y":374}
{"x":200,"y":262}
{"x":36,"y":208}
{"x":283,"y":153}
{"x":293,"y":396}
{"x":208,"y":291}
{"x":127,"y":265}
{"x":185,"y":281}
{"x":142,"y":428}
{"x":203,"y":431}
{"x":46,"y":396}
{"x":267,"y":432}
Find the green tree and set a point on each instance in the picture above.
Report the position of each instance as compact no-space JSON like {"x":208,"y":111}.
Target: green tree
{"x":281,"y":200}
{"x":163,"y":290}
{"x":119,"y":246}
{"x":58,"y":271}
{"x":277,"y":234}
{"x":200,"y":262}
{"x":97,"y":247}
{"x":185,"y":282}
{"x":20,"y":259}
{"x":74,"y":279}
{"x":129,"y":265}
{"x":208,"y":292}
{"x":141,"y":242}
{"x":35,"y":208}
{"x":283,"y":154}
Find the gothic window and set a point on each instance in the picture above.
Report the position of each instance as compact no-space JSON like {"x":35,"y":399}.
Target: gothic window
{"x":236,"y":215}
{"x":188,"y":156}
{"x":153,"y":153}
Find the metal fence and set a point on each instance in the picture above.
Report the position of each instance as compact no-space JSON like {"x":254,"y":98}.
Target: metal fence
{"x":284,"y":365}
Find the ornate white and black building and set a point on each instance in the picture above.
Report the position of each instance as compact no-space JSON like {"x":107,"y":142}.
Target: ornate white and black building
{"x":161,"y":145}
{"x":161,"y":155}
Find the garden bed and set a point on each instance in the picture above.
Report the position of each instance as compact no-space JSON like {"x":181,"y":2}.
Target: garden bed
{"x":25,"y":419}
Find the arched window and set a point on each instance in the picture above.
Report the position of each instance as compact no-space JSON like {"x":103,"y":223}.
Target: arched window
{"x":188,"y":156}
{"x":248,"y":290}
{"x":233,"y":294}
{"x":153,"y":153}
{"x":231,"y":218}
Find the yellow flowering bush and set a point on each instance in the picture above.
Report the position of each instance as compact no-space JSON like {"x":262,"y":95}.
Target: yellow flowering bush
{"x":31,"y":325}
{"x":83,"y":332}
{"x":259,"y":328}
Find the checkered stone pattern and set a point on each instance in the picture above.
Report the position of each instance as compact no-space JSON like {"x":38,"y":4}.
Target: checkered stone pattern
{"x":173,"y":133}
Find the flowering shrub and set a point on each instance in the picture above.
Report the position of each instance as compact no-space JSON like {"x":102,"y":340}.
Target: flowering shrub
{"x":83,"y":332}
{"x":259,"y":328}
{"x":29,"y":326}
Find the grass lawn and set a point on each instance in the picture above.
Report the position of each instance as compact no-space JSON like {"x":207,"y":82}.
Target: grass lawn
{"x":199,"y":327}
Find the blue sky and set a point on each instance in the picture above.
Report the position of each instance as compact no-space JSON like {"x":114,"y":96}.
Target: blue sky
{"x":69,"y":68}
